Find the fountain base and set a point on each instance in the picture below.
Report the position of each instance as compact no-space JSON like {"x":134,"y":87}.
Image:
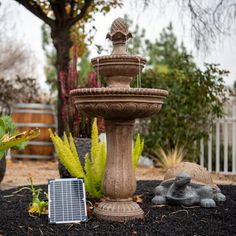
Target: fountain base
{"x":116,"y":210}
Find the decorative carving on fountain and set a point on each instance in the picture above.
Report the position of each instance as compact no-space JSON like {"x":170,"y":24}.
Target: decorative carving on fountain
{"x":137,"y":103}
{"x":120,"y":91}
{"x":119,"y":105}
{"x":120,"y":110}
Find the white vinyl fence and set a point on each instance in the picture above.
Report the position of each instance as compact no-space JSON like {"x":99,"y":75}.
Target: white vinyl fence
{"x":218,"y":153}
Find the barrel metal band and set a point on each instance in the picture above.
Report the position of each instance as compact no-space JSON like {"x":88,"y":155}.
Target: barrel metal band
{"x":32,"y":156}
{"x":33,"y":111}
{"x":32,"y":105}
{"x":37,"y":125}
{"x":40,"y":143}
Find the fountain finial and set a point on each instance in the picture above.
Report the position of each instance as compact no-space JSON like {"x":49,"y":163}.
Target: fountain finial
{"x":119,"y":35}
{"x":119,"y":30}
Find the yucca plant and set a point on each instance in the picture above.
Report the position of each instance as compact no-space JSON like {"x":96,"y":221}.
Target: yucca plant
{"x":95,"y":165}
{"x":170,"y":158}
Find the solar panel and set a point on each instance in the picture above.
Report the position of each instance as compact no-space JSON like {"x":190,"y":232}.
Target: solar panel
{"x":66,"y":201}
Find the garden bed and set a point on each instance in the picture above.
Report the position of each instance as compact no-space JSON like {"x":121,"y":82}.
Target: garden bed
{"x":166,"y":220}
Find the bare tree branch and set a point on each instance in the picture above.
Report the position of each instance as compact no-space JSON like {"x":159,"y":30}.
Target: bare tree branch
{"x":33,"y":7}
{"x":72,"y":5}
{"x":211,"y":20}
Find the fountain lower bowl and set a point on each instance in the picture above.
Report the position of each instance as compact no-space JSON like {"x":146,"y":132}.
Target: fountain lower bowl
{"x":119,"y":103}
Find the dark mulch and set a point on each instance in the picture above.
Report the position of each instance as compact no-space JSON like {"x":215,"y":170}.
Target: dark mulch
{"x":14,"y":219}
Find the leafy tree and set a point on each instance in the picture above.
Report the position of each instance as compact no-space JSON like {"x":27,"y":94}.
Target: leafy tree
{"x":76,"y":123}
{"x":66,"y":18}
{"x":195,"y":96}
{"x":164,"y":50}
{"x":50,"y":52}
{"x":85,"y":66}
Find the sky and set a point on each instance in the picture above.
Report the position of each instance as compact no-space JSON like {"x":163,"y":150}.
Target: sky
{"x":153,"y":20}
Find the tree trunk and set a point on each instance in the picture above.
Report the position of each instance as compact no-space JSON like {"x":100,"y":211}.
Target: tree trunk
{"x":62,"y":43}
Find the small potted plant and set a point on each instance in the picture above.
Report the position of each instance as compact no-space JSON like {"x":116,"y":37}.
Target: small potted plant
{"x":10,"y":138}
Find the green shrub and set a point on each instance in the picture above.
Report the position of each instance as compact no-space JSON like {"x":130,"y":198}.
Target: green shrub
{"x":196,"y":95}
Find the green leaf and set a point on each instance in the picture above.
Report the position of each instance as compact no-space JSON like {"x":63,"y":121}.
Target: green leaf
{"x":137,"y":151}
{"x":2,"y":154}
{"x":21,"y":146}
{"x":10,"y":127}
{"x":67,"y":156}
{"x":2,"y":131}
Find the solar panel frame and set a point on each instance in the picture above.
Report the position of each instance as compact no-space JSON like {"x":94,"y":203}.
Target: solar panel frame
{"x":69,"y":206}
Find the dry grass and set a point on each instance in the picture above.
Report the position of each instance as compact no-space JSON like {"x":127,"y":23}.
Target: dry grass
{"x":170,"y":158}
{"x":18,"y":173}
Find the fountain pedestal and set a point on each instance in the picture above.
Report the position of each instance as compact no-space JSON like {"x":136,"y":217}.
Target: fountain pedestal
{"x":119,"y":182}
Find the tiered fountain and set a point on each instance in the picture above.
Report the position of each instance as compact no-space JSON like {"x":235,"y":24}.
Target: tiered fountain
{"x":119,"y":105}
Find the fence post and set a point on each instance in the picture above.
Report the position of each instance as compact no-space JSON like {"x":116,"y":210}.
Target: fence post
{"x":210,"y":152}
{"x":201,"y":152}
{"x":234,"y":141}
{"x":225,"y":145}
{"x":218,"y":146}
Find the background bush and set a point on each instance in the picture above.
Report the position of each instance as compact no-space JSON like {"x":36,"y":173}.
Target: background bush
{"x":195,"y":100}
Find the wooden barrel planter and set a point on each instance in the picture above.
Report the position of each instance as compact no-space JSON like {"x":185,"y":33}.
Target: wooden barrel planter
{"x":33,"y":115}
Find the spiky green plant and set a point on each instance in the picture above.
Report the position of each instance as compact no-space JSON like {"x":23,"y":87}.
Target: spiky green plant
{"x":137,"y":150}
{"x":94,"y":167}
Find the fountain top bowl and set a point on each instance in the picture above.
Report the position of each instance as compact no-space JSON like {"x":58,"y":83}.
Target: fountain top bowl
{"x":119,"y":68}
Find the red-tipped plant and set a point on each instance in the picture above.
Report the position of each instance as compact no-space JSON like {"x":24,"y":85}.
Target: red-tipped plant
{"x":74,"y":121}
